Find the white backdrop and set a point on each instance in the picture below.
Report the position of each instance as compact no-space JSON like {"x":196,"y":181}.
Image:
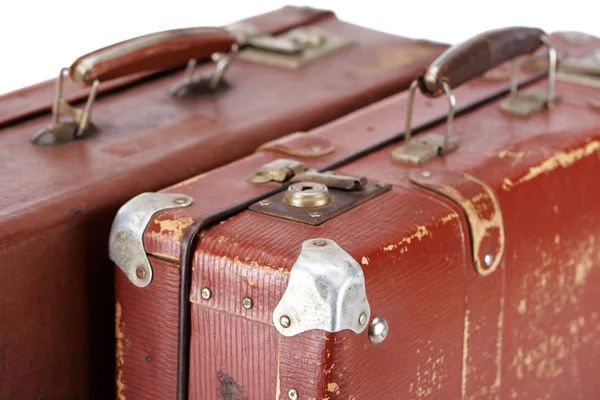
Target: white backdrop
{"x":37,"y":38}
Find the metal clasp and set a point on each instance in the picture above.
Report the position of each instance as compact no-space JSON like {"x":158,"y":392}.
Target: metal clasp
{"x":62,"y":132}
{"x":421,"y":149}
{"x":531,"y":101}
{"x":283,"y":170}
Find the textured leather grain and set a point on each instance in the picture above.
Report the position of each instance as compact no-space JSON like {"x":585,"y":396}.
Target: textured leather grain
{"x":529,"y":330}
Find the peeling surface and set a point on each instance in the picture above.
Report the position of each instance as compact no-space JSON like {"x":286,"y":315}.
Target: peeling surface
{"x":174,"y":227}
{"x":333,"y":388}
{"x":465,"y":358}
{"x":419,"y":234}
{"x":365,"y":261}
{"x":559,"y":159}
{"x":429,"y":376}
{"x":120,"y":354}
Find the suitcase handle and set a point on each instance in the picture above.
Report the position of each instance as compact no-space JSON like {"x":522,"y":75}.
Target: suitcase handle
{"x":156,"y":51}
{"x":477,"y":55}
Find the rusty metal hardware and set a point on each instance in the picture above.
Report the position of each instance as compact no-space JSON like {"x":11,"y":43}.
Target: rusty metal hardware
{"x":62,"y":132}
{"x":282,"y":170}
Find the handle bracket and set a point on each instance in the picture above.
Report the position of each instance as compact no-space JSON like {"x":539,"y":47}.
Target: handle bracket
{"x":62,"y":132}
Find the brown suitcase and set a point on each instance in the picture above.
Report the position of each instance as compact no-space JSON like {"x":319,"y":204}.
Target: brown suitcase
{"x":469,"y":275}
{"x":57,"y":202}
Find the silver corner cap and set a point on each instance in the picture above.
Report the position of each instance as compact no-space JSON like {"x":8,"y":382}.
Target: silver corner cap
{"x":126,"y":241}
{"x":326,"y":291}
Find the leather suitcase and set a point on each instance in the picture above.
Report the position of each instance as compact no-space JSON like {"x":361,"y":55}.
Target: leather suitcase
{"x":294,"y":69}
{"x":464,"y":266}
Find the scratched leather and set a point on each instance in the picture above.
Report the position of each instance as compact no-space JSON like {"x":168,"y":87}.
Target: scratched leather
{"x":61,"y":201}
{"x":529,"y":330}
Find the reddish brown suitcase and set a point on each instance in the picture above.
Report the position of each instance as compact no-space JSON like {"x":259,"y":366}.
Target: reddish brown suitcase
{"x":469,"y":275}
{"x":58,"y":202}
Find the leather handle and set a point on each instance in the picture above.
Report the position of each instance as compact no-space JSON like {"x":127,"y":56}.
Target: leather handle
{"x":477,"y":55}
{"x":154,"y":52}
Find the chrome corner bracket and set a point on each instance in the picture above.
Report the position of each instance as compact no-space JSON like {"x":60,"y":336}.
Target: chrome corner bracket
{"x":326,"y":291}
{"x":126,"y":244}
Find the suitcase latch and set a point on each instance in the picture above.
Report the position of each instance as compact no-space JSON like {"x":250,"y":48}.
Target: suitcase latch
{"x":313,"y":197}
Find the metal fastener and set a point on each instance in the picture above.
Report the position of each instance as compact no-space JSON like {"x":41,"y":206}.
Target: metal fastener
{"x":425,"y":174}
{"x":319,"y":242}
{"x":315,"y":214}
{"x":247,"y":303}
{"x":362,"y":319}
{"x":293,"y":394}
{"x":148,"y":359}
{"x":378,"y":330}
{"x":140,"y":272}
{"x":180,"y":200}
{"x":489,"y":259}
{"x":206,"y":293}
{"x":264,"y":203}
{"x":380,"y":184}
{"x":284,"y":321}
{"x":307,"y":194}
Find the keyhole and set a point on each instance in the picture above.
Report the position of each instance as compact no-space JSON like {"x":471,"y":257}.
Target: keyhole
{"x":305,"y":188}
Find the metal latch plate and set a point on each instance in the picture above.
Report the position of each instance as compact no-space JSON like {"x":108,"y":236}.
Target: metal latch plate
{"x":341,"y":202}
{"x":422,"y":149}
{"x":526,"y":102}
{"x":311,"y":50}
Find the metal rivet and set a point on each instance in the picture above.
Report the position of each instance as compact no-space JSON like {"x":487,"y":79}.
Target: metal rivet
{"x":206,"y":293}
{"x":378,"y":330}
{"x":489,"y":259}
{"x":180,"y":200}
{"x":285,"y":321}
{"x":264,"y":203}
{"x":319,"y":242}
{"x":315,"y":214}
{"x":362,"y":319}
{"x":247,"y":303}
{"x":140,"y":272}
{"x":148,"y":358}
{"x":425,"y":174}
{"x":380,"y":184}
{"x":293,"y":394}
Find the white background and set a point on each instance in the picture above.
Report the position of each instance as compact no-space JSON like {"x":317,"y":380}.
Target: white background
{"x":37,"y":38}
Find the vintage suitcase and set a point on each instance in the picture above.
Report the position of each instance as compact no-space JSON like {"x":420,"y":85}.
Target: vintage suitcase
{"x":464,"y":266}
{"x":296,"y":68}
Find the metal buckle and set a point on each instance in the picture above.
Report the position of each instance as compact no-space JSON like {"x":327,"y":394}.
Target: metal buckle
{"x":531,"y":101}
{"x":419,"y":150}
{"x":62,"y":132}
{"x":211,"y":83}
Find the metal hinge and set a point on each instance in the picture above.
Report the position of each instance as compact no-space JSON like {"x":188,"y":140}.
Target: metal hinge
{"x":126,"y":241}
{"x":326,"y":291}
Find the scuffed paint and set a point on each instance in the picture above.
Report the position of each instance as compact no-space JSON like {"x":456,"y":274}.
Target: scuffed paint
{"x":449,"y":217}
{"x":365,"y":260}
{"x":559,"y":159}
{"x":190,"y":180}
{"x":120,"y":352}
{"x":419,"y":234}
{"x":465,"y":357}
{"x":392,"y":58}
{"x":429,"y":375}
{"x":333,"y":388}
{"x":174,"y":227}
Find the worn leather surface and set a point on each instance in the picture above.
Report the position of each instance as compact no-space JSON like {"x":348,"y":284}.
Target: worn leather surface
{"x":529,"y":330}
{"x":481,"y":54}
{"x":153,"y":52}
{"x":57,"y":204}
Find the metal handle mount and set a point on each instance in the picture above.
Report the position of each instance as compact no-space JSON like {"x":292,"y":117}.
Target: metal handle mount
{"x":464,"y":62}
